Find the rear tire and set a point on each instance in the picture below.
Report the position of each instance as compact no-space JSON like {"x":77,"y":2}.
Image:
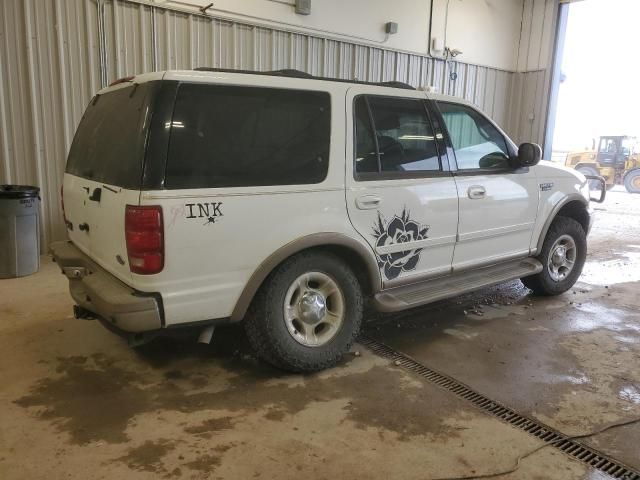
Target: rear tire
{"x":632,"y":181}
{"x":563,"y":254}
{"x":307,"y":313}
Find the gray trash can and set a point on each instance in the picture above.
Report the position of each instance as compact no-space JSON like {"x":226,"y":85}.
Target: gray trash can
{"x":19,"y":230}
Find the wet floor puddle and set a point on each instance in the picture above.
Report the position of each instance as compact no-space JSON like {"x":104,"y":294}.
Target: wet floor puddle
{"x":625,"y":267}
{"x":630,"y":393}
{"x":96,"y":398}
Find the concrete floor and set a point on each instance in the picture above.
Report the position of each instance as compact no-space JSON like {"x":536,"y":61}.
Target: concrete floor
{"x":76,"y":402}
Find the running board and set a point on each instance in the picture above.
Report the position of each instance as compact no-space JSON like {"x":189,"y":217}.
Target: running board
{"x":408,"y":296}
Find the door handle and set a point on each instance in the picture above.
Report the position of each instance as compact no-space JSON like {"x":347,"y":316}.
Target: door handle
{"x":476,"y":192}
{"x":367,"y":202}
{"x":96,"y":195}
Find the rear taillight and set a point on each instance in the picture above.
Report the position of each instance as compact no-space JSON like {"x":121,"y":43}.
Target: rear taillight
{"x":144,"y":233}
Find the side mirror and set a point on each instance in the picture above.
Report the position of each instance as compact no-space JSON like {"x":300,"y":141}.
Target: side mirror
{"x":529,"y":154}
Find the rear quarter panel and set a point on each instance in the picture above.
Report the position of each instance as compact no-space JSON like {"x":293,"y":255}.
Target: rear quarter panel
{"x":210,"y":258}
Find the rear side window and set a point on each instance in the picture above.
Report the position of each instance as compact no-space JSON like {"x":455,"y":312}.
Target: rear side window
{"x":399,"y":132}
{"x":366,"y":152}
{"x":227,"y":136}
{"x":476,"y":141}
{"x":109,"y":144}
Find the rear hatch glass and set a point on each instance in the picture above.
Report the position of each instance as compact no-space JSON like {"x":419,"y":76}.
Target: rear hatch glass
{"x":109,"y":144}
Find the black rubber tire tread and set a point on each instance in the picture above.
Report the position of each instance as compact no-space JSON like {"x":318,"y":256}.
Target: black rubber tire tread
{"x":267,"y":331}
{"x":542,"y":283}
{"x":628,"y":181}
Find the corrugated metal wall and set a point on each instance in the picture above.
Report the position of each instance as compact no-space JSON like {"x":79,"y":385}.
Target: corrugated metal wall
{"x":54,"y":54}
{"x":528,"y":106}
{"x":530,"y":86}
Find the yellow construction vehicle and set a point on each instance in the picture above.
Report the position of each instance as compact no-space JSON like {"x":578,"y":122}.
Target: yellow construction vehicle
{"x":617,"y":159}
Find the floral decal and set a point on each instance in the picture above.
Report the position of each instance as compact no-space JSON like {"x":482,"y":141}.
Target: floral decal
{"x":399,"y":230}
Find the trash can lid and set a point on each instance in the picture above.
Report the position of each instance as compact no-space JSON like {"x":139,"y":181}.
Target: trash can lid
{"x":18,"y":191}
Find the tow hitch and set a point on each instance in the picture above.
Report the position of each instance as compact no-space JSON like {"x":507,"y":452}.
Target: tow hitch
{"x":82,"y":313}
{"x":74,"y":273}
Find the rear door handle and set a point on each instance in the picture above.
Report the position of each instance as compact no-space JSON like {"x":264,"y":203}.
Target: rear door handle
{"x":367,"y":202}
{"x":96,"y":195}
{"x":476,"y":192}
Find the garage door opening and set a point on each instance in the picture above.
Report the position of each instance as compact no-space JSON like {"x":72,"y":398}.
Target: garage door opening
{"x":593,"y":118}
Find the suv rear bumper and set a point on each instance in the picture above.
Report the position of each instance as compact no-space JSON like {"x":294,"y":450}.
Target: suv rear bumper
{"x":99,"y":292}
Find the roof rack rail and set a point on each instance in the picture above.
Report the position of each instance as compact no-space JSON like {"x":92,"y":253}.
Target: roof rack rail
{"x":293,"y":73}
{"x":396,"y":84}
{"x":287,"y":72}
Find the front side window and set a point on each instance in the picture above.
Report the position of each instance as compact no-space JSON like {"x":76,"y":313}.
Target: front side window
{"x":477,"y":143}
{"x":227,"y":136}
{"x":400,"y":131}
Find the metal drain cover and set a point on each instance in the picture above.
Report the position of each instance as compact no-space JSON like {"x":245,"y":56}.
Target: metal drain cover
{"x":568,"y":445}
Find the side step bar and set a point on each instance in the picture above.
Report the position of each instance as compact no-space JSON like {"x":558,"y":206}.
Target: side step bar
{"x":408,"y":296}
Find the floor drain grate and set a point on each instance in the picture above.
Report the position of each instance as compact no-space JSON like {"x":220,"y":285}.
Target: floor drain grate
{"x":560,"y":441}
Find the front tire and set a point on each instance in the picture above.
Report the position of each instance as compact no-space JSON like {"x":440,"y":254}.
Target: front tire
{"x":632,"y":181}
{"x":307,"y":314}
{"x":563,"y":254}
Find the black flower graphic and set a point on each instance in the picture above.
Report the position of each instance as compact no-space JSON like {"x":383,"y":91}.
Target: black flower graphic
{"x":399,"y":230}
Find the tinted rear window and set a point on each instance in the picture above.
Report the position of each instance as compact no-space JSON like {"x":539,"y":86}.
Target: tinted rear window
{"x":109,"y":144}
{"x":227,"y":136}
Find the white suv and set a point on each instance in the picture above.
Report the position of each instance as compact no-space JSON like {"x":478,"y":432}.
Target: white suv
{"x":197,"y":198}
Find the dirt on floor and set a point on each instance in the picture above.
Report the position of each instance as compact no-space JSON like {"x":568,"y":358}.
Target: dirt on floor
{"x":77,"y":402}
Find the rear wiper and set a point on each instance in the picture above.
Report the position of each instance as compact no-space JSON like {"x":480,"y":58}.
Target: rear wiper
{"x":122,"y":80}
{"x":129,"y":79}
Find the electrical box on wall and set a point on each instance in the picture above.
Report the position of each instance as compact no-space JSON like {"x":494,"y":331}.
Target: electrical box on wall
{"x":391,"y":28}
{"x":303,"y":7}
{"x":437,"y":45}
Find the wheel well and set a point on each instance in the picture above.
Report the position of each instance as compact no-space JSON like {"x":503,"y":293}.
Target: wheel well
{"x":576,"y":210}
{"x":365,"y":270}
{"x":354,"y":261}
{"x":349,"y":256}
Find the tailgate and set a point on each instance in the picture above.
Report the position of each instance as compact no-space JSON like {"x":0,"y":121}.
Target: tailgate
{"x":97,"y":226}
{"x":104,"y":173}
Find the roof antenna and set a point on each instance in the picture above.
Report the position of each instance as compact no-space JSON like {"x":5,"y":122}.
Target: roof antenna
{"x":205,"y":8}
